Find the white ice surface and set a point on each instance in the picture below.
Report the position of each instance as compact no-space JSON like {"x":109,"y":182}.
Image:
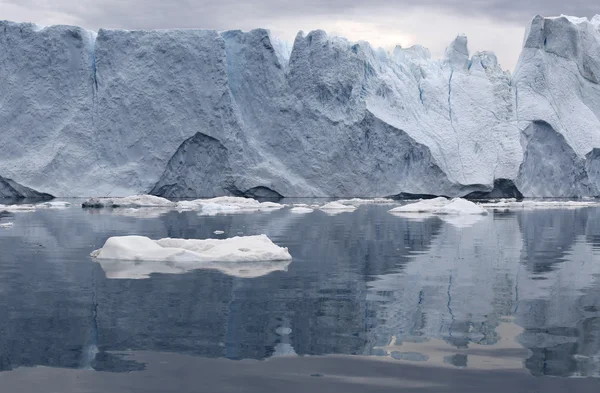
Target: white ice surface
{"x":424,"y":206}
{"x":6,"y":225}
{"x":53,"y":205}
{"x":513,"y":205}
{"x":337,"y":206}
{"x":17,"y":208}
{"x":460,"y":206}
{"x":131,"y":201}
{"x":441,"y":206}
{"x":301,"y":210}
{"x":114,"y":109}
{"x":121,"y":269}
{"x":235,"y":249}
{"x":224,"y":205}
{"x":359,"y":201}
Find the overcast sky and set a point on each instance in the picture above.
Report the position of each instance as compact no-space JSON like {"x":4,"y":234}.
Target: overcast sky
{"x":496,"y":25}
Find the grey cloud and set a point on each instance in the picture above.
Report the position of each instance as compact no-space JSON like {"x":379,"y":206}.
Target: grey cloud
{"x":229,"y":14}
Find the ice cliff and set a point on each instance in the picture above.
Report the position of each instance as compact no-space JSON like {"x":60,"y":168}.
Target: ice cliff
{"x":197,"y":113}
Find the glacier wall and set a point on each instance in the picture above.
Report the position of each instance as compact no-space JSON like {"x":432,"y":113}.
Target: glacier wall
{"x":197,"y":113}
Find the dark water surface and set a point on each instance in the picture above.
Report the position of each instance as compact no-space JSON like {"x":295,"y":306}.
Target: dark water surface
{"x":513,"y":292}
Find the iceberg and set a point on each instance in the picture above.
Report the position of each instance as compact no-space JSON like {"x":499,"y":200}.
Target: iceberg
{"x":6,"y":225}
{"x":459,"y":206}
{"x":337,"y":206}
{"x":236,"y":249}
{"x":53,"y":205}
{"x":301,"y":210}
{"x":441,"y":206}
{"x":200,"y":114}
{"x":513,"y":204}
{"x":134,"y":270}
{"x":424,"y":206}
{"x":132,"y":201}
{"x":17,"y":208}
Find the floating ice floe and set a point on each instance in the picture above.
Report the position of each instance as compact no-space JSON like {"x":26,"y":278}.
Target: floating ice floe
{"x":236,"y":249}
{"x":53,"y":205}
{"x":218,"y":232}
{"x":359,"y":201}
{"x":335,"y":205}
{"x":301,"y":210}
{"x":211,"y":206}
{"x":424,"y":206}
{"x":6,"y":225}
{"x":459,"y":206}
{"x":120,"y":269}
{"x":443,"y":206}
{"x":513,"y":204}
{"x":132,"y":201}
{"x":231,"y":205}
{"x":17,"y":208}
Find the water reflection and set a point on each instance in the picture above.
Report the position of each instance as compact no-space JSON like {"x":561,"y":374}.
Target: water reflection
{"x":509,"y":290}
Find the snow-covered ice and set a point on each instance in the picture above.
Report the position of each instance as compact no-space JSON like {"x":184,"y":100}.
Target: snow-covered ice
{"x":424,"y":206}
{"x":459,"y":206}
{"x":328,"y":118}
{"x":220,"y":205}
{"x":301,"y":210}
{"x":513,"y":204}
{"x":17,"y":208}
{"x":359,"y":201}
{"x":53,"y":205}
{"x":337,"y":206}
{"x":132,"y":201}
{"x":441,"y":206}
{"x":218,"y":232}
{"x":132,"y":270}
{"x":235,"y":249}
{"x":6,"y":225}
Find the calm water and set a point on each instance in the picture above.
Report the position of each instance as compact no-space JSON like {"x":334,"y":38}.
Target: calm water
{"x":513,"y":290}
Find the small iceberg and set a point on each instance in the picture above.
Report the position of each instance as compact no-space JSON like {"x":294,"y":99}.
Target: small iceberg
{"x":17,"y":208}
{"x":443,"y":206}
{"x":132,"y":201}
{"x":6,"y":225}
{"x":301,"y":210}
{"x":227,"y":205}
{"x":236,"y":249}
{"x":53,"y":205}
{"x":459,"y":206}
{"x":359,"y":201}
{"x":136,"y":270}
{"x":512,"y":204}
{"x":335,"y":205}
{"x":424,"y":206}
{"x":218,"y":232}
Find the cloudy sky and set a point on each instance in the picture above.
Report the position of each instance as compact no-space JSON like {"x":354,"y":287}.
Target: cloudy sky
{"x":496,"y":25}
